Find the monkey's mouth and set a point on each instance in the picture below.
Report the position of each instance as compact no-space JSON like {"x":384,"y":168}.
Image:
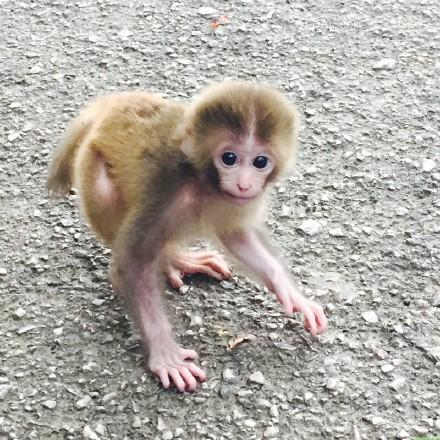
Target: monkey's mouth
{"x":237,"y":199}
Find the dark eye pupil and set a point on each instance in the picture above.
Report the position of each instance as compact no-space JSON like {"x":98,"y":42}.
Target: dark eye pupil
{"x":229,"y":158}
{"x":260,"y":162}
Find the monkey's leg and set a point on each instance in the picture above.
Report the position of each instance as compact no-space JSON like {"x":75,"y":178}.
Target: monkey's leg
{"x":251,"y":250}
{"x":101,"y":200}
{"x":170,"y":362}
{"x":205,"y":262}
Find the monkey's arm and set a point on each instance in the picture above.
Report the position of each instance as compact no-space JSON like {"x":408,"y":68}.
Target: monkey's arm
{"x":250,"y":249}
{"x":137,"y":257}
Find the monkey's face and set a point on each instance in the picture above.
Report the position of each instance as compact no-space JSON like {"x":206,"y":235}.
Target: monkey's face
{"x":243,"y":171}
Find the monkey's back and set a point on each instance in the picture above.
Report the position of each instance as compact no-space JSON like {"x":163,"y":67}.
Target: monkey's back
{"x":134,"y":138}
{"x":132,"y":134}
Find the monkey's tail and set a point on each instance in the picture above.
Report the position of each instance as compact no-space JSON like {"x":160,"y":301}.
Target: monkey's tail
{"x":59,"y":179}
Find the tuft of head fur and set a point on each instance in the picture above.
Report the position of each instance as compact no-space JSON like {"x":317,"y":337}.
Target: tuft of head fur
{"x":236,"y":110}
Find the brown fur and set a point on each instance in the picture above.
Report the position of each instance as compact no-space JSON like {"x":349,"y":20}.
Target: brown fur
{"x":135,"y":140}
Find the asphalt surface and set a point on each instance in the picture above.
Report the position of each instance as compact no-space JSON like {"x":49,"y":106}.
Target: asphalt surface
{"x":358,"y":222}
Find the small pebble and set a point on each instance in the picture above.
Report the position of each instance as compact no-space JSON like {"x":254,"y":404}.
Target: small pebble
{"x":387,"y":368}
{"x":334,"y":384}
{"x":377,"y":421}
{"x":285,"y":212}
{"x":89,"y":434}
{"x":402,"y":435}
{"x":381,"y":353}
{"x":125,"y":33}
{"x":167,"y":435}
{"x":270,"y":432}
{"x":274,"y":412}
{"x":13,"y":136}
{"x":311,"y":227}
{"x":109,"y":397}
{"x":237,"y":415}
{"x":50,"y":404}
{"x":257,"y":377}
{"x":4,"y":390}
{"x":385,"y":64}
{"x":421,"y":430}
{"x":207,"y":11}
{"x":401,"y":211}
{"x":428,"y":165}
{"x":250,"y":423}
{"x":228,"y":375}
{"x":84,"y":402}
{"x":19,"y":313}
{"x":58,"y":331}
{"x":308,"y":396}
{"x":184,"y":289}
{"x":399,"y":329}
{"x":370,"y":316}
{"x":196,"y":321}
{"x":100,"y":429}
{"x":67,"y":222}
{"x":336,"y":232}
{"x":161,"y":425}
{"x":398,"y":383}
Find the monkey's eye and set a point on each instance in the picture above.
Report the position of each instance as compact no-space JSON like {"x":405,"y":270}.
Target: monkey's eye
{"x":260,"y":162}
{"x":229,"y":158}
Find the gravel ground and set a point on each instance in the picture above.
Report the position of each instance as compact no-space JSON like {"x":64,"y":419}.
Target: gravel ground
{"x":358,"y":222}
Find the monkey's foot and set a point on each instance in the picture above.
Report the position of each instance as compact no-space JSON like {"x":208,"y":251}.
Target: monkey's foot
{"x":205,"y":262}
{"x":172,"y":364}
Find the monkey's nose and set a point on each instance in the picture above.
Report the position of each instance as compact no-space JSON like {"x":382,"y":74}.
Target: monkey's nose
{"x":243,"y":187}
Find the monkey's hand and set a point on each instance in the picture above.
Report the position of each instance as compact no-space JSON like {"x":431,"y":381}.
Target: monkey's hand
{"x":314,"y":319}
{"x":186,"y":263}
{"x":251,"y":249}
{"x":172,"y":364}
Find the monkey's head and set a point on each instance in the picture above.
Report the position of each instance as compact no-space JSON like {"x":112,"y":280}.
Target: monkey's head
{"x":241,"y":136}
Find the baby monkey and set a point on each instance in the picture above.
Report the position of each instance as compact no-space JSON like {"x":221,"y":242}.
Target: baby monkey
{"x":152,"y":173}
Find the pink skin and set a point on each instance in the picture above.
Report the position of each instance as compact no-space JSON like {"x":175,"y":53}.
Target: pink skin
{"x":242,"y":182}
{"x":138,"y":274}
{"x":249,"y":248}
{"x":187,"y":263}
{"x":138,"y":268}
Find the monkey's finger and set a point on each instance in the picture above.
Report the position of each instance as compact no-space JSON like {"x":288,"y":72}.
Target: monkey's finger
{"x":164,"y":378}
{"x":287,"y":304}
{"x":188,"y":354}
{"x":188,"y":377}
{"x":203,"y":269}
{"x":320,"y":317}
{"x":174,"y":277}
{"x":174,"y":373}
{"x":197,"y":372}
{"x":175,"y":281}
{"x":309,"y":322}
{"x":219,"y":266}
